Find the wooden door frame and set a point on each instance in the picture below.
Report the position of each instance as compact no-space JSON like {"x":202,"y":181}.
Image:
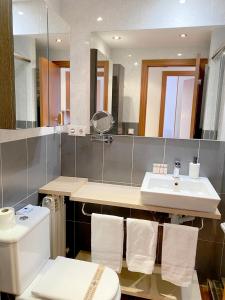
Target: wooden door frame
{"x":7,"y":70}
{"x":165,"y":74}
{"x":146,"y":64}
{"x":105,"y":65}
{"x":62,"y":63}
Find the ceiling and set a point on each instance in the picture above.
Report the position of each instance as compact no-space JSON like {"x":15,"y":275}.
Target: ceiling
{"x":157,"y":38}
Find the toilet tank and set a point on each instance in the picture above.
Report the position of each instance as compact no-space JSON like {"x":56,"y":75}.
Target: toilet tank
{"x":24,"y":249}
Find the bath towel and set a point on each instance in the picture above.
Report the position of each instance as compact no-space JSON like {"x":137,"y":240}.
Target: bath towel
{"x":178,"y":253}
{"x":141,"y":245}
{"x":107,"y":241}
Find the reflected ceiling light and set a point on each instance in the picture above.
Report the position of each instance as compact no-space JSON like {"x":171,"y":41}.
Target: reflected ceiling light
{"x":116,"y":37}
{"x":58,"y":40}
{"x":179,"y":54}
{"x":136,"y":64}
{"x":99,"y":19}
{"x":87,"y":42}
{"x":182,"y":1}
{"x":21,"y":13}
{"x":129,"y":55}
{"x":183,"y":35}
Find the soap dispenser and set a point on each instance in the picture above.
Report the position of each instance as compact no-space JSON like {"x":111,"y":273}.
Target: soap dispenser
{"x":194,"y":168}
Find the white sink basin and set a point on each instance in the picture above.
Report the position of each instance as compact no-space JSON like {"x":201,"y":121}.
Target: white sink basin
{"x":183,"y":192}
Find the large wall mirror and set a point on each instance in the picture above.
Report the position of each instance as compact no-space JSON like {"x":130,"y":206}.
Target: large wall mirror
{"x":42,"y":65}
{"x":161,"y":82}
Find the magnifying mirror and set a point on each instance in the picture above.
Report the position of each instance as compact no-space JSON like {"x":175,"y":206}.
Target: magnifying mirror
{"x":102,"y":121}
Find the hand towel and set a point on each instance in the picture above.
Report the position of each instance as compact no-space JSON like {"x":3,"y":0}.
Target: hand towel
{"x":178,"y":253}
{"x":107,"y":241}
{"x":141,"y":245}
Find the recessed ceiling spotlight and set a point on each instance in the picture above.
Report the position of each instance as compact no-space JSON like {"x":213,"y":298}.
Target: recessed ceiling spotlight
{"x":179,"y":54}
{"x":99,"y":19}
{"x":58,"y":40}
{"x":116,"y":37}
{"x":183,"y":35}
{"x":21,"y":13}
{"x":136,"y":64}
{"x":129,"y":55}
{"x":182,"y":1}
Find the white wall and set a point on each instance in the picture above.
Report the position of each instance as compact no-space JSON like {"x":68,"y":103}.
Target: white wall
{"x":25,"y":79}
{"x":218,"y":40}
{"x":54,"y":4}
{"x":124,"y":15}
{"x":221,"y":125}
{"x":33,"y":20}
{"x":97,"y":43}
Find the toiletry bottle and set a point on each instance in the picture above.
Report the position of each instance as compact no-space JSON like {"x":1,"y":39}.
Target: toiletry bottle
{"x":194,"y":168}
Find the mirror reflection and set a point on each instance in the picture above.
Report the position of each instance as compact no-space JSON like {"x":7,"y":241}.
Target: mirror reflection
{"x":162,"y":83}
{"x":41,"y":57}
{"x":58,"y":105}
{"x":102,"y":122}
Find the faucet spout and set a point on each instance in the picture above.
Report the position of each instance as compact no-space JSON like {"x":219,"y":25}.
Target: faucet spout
{"x":176,"y":171}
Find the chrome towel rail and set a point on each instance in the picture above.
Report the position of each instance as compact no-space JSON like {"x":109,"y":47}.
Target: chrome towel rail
{"x":161,"y":225}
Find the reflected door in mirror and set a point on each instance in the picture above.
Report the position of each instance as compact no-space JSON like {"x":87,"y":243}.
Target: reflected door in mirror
{"x":54,"y":92}
{"x":176,"y":104}
{"x":49,"y":92}
{"x":102,"y":85}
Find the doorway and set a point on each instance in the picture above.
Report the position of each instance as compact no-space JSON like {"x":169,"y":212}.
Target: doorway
{"x":176,"y":104}
{"x":147,"y":67}
{"x":102,"y":85}
{"x":54,"y":79}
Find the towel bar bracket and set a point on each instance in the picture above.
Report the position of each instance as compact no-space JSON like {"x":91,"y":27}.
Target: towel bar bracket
{"x":174,"y":219}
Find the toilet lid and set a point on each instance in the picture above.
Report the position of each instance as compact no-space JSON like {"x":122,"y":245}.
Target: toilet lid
{"x":69,"y":279}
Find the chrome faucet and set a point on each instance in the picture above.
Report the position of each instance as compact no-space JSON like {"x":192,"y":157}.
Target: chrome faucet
{"x":176,"y":171}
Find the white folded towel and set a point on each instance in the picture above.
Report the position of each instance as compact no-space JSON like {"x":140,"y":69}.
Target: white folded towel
{"x":178,"y":253}
{"x":107,"y":241}
{"x":141,"y":245}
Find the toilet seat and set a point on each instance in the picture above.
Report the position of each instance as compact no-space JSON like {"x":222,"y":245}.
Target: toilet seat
{"x":65,"y":278}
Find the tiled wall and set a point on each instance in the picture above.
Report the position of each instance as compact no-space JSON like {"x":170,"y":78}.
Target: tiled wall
{"x":26,"y":165}
{"x":125,"y":161}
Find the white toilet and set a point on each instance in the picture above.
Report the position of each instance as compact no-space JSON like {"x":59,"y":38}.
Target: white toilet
{"x":27,"y":271}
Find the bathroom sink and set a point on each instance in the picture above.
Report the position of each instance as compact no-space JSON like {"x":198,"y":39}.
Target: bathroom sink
{"x":183,"y":192}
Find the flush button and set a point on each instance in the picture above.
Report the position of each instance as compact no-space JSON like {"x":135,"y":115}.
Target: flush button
{"x":23,"y":218}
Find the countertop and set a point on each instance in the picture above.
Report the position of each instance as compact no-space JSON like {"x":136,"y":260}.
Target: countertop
{"x":63,"y":186}
{"x":80,"y":190}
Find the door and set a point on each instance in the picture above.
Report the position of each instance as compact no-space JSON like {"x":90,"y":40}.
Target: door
{"x":177,"y":104}
{"x":49,"y":73}
{"x":102,"y":85}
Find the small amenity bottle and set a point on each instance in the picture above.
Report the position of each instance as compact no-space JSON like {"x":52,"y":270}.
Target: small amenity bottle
{"x":194,"y":168}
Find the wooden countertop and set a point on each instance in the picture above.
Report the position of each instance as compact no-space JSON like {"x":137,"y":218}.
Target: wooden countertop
{"x":79,"y":189}
{"x":63,"y":186}
{"x":127,"y":196}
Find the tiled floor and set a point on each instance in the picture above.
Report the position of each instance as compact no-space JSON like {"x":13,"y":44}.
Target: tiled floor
{"x":204,"y":293}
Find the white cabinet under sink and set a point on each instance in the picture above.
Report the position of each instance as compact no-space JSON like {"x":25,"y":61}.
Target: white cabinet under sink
{"x":182,"y":193}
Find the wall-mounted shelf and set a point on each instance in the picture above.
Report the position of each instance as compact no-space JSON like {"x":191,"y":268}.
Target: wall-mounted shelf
{"x":80,"y":190}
